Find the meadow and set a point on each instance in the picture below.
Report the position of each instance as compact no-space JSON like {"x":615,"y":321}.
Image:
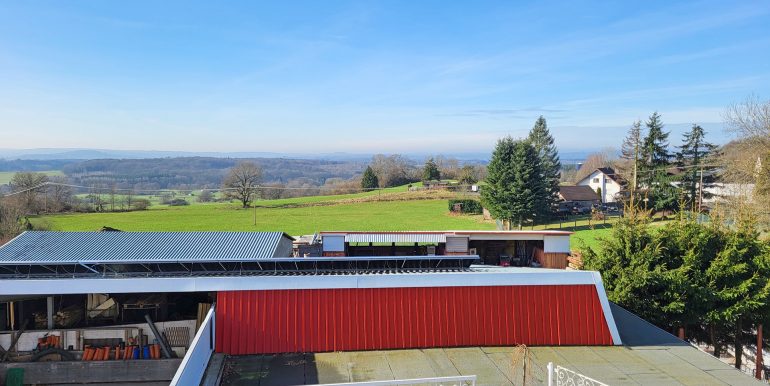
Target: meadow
{"x":393,"y":209}
{"x":5,"y":177}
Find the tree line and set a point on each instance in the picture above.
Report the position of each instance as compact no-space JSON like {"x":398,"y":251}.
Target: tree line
{"x":709,"y":282}
{"x":704,"y":277}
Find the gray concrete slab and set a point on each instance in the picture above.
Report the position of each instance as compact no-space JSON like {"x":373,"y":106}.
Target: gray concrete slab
{"x":242,"y":370}
{"x":369,"y":366}
{"x":614,"y":365}
{"x":278,"y":370}
{"x":407,"y":364}
{"x":473,"y":361}
{"x":440,"y":363}
{"x":332,"y":367}
{"x":653,"y":379}
{"x":733,"y":377}
{"x":675,"y":367}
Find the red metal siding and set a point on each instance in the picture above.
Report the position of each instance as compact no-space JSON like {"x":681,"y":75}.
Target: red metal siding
{"x":281,"y":321}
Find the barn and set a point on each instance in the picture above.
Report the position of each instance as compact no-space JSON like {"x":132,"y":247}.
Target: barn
{"x":306,"y":320}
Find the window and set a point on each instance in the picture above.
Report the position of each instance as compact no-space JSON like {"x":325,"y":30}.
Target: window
{"x":596,"y":180}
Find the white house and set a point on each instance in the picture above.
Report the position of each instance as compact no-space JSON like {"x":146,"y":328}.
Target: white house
{"x":607,"y":180}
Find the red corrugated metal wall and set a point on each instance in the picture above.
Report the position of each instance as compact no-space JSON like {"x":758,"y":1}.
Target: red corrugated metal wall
{"x":281,"y":321}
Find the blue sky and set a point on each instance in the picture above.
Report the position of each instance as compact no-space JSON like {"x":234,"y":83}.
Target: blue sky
{"x":369,"y":76}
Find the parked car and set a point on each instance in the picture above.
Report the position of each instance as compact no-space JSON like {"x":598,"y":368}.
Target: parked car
{"x":581,"y":210}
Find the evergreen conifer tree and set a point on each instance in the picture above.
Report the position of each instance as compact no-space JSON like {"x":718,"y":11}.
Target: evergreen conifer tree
{"x":654,"y":161}
{"x":692,"y":157}
{"x":550,"y":167}
{"x":512,"y":191}
{"x":430,"y":171}
{"x":369,"y":179}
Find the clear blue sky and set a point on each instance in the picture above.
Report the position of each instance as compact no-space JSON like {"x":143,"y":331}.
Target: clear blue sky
{"x":369,"y":76}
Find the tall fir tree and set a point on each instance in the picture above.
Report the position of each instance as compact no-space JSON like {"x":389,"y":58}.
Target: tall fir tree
{"x":430,"y":171}
{"x":654,"y":161}
{"x":550,"y":167}
{"x":692,"y":158}
{"x":512,"y":192}
{"x":369,"y":179}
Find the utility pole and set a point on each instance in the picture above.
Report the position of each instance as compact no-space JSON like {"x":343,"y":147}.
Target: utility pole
{"x":760,"y":353}
{"x":700,"y":191}
{"x":633,"y":183}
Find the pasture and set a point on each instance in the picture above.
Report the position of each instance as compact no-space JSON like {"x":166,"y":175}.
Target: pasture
{"x":394,"y":209}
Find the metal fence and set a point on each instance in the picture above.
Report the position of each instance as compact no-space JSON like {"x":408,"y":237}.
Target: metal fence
{"x":562,"y":376}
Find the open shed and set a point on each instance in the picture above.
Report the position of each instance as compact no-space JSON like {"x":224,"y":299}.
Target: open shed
{"x":547,"y":249}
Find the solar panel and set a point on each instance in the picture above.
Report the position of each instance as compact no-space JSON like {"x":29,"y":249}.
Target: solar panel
{"x":266,"y":266}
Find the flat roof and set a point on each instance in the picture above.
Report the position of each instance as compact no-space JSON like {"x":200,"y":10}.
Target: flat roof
{"x":46,"y":247}
{"x":453,"y":232}
{"x":649,"y":356}
{"x":475,"y":275}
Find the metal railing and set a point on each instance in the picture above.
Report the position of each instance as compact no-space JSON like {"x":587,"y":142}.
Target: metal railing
{"x":562,"y":376}
{"x":193,"y":366}
{"x":463,"y":380}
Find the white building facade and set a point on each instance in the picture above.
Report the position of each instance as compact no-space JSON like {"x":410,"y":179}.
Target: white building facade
{"x":607,"y":180}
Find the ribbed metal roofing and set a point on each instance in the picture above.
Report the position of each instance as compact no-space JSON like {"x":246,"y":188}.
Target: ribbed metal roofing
{"x":42,"y":247}
{"x":400,"y":237}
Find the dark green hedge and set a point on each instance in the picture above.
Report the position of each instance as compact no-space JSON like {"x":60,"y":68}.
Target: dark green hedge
{"x":468,"y":206}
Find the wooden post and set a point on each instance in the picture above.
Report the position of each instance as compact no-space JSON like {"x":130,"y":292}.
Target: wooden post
{"x":759,"y":355}
{"x":681,"y":333}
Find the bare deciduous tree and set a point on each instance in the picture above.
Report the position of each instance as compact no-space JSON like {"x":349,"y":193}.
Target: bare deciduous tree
{"x":392,"y":170}
{"x":594,"y":161}
{"x":59,"y":195}
{"x":242,"y":181}
{"x":746,"y":159}
{"x":750,"y":121}
{"x":31,"y":185}
{"x":11,"y":212}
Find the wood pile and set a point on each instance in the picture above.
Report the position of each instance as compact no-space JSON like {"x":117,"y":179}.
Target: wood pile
{"x":575,"y":261}
{"x":64,"y":318}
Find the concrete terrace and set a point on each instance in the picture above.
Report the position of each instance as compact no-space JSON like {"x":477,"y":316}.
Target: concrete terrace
{"x":660,"y":365}
{"x":649,"y":356}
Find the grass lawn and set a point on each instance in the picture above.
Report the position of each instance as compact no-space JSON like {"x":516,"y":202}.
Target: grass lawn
{"x":373,"y":215}
{"x":398,"y":211}
{"x":5,"y":177}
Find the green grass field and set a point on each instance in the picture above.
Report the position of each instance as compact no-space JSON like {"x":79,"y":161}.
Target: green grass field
{"x":5,"y":177}
{"x":373,"y":215}
{"x":392,"y":209}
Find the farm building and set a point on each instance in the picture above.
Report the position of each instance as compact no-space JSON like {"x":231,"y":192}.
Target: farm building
{"x":293,"y":321}
{"x":605,"y":179}
{"x":548,"y":249}
{"x":581,"y":196}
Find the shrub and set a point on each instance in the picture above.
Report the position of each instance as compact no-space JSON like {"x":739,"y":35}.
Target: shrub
{"x":178,"y":202}
{"x":140,"y":204}
{"x":466,"y":206}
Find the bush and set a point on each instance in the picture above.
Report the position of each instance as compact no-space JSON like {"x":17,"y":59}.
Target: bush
{"x":178,"y":202}
{"x":140,"y":204}
{"x":466,"y":206}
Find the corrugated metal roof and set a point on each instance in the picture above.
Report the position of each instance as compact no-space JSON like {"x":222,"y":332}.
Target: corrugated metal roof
{"x":43,"y":247}
{"x":400,"y":237}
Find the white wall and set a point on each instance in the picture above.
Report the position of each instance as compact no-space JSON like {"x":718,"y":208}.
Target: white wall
{"x":610,"y":188}
{"x":334,"y":243}
{"x":556,"y":244}
{"x":195,"y":362}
